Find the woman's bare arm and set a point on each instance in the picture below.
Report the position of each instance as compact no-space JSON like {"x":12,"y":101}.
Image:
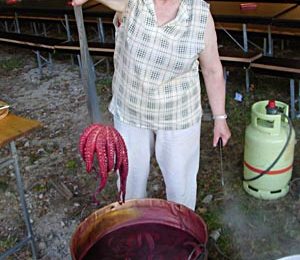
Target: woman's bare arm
{"x":212,"y":72}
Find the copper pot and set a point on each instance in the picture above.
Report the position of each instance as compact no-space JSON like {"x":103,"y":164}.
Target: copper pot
{"x":120,"y":231}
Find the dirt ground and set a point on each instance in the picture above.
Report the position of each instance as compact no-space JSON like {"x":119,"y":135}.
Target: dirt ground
{"x":249,"y":228}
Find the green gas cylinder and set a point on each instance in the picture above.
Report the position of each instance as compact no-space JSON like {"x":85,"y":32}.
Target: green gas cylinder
{"x":269,"y":151}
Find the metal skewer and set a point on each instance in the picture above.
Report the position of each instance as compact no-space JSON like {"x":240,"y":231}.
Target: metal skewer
{"x":88,"y":75}
{"x":220,"y":144}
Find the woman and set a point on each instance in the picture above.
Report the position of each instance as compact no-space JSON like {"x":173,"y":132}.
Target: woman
{"x":156,"y":102}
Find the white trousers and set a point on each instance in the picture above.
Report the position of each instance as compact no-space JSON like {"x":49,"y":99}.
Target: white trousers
{"x":177,"y":153}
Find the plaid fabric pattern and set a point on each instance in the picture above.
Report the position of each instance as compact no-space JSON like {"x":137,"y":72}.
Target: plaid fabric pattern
{"x":156,"y":81}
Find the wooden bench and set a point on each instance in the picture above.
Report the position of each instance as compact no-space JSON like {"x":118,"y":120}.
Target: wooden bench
{"x":29,"y":41}
{"x":51,"y":45}
{"x":54,"y":45}
{"x":281,"y":67}
{"x":267,"y":34}
{"x":33,"y":42}
{"x":95,"y":48}
{"x":260,"y":29}
{"x":238,"y":58}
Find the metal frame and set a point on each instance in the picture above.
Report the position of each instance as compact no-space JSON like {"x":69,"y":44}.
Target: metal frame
{"x":268,"y":45}
{"x":43,"y":61}
{"x":244,"y":47}
{"x":294,"y":113}
{"x":29,"y":239}
{"x":87,"y":73}
{"x":298,"y":116}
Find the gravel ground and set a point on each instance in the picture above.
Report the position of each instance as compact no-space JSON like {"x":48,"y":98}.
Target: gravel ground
{"x":48,"y":155}
{"x":252,"y":229}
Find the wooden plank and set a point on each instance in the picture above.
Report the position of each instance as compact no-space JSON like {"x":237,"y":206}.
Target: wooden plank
{"x":263,"y":14}
{"x":259,"y":29}
{"x":62,"y":189}
{"x":13,"y":127}
{"x":29,"y":41}
{"x":276,"y":68}
{"x":281,"y":67}
{"x":278,"y":31}
{"x":95,"y":48}
{"x":230,"y":57}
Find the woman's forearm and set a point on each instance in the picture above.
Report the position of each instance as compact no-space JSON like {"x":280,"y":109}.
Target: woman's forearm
{"x":215,"y":88}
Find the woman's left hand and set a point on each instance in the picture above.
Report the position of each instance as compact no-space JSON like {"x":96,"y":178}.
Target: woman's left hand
{"x":221,"y":130}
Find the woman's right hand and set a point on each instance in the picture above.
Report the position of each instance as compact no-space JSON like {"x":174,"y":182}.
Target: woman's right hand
{"x":78,"y":2}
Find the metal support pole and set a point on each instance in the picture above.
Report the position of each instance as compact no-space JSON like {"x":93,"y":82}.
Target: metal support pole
{"x":35,"y":30}
{"x":69,"y":37}
{"x":50,"y":62}
{"x":30,"y":237}
{"x":44,"y":30}
{"x":247,"y":80}
{"x":292,"y":94}
{"x":17,"y":23}
{"x":107,"y":65}
{"x":245,"y":37}
{"x":265,"y":47}
{"x":58,"y":29}
{"x":225,"y":74}
{"x":31,"y":27}
{"x":39,"y":61}
{"x":80,"y":66}
{"x":88,"y":77}
{"x":234,"y":40}
{"x":270,"y":41}
{"x":298,"y":115}
{"x":100,"y":30}
{"x":6,"y":26}
{"x":22,"y":197}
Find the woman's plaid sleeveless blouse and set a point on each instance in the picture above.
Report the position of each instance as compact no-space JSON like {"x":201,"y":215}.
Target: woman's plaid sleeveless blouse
{"x":156,"y":80}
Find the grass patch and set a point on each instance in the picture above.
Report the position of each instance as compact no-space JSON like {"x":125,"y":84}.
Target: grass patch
{"x":71,"y":165}
{"x":11,"y":64}
{"x":40,"y":187}
{"x":3,"y":186}
{"x":103,"y":86}
{"x":6,"y":243}
{"x":33,"y":157}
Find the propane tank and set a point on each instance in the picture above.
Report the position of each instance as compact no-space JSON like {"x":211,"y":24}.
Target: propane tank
{"x":269,"y":151}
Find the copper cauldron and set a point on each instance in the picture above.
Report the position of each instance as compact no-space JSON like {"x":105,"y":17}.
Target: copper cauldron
{"x":141,"y":229}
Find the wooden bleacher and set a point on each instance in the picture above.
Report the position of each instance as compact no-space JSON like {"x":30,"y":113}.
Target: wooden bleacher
{"x":260,"y":29}
{"x":281,"y":67}
{"x":29,"y":41}
{"x":95,"y":48}
{"x":237,"y":58}
{"x":54,"y":45}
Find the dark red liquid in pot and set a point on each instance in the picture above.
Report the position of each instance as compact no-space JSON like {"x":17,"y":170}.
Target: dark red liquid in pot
{"x":146,"y":241}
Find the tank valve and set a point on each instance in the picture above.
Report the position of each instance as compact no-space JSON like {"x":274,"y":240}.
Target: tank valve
{"x":271,"y":108}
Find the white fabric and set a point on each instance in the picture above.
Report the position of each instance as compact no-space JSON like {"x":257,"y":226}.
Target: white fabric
{"x":177,"y":153}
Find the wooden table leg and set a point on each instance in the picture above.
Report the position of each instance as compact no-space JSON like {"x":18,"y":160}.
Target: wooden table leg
{"x":30,"y":237}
